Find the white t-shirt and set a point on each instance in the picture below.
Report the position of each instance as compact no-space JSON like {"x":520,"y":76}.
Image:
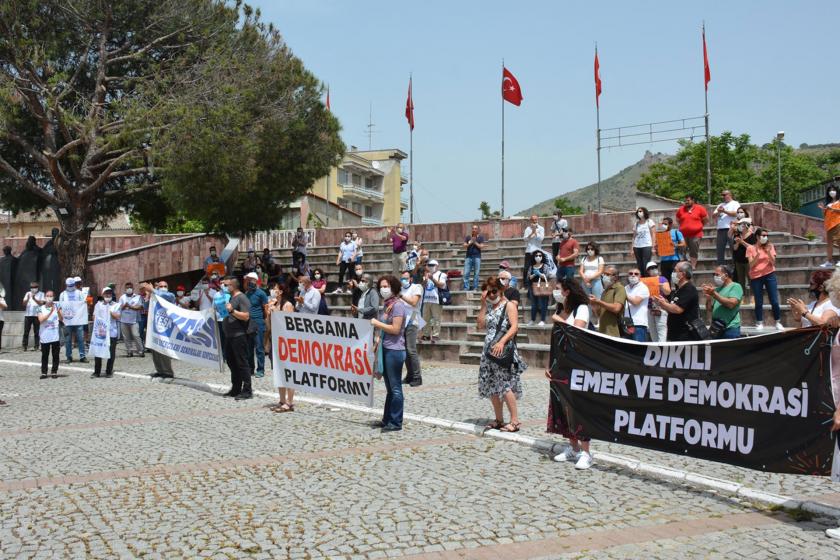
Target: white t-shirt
{"x":590,"y":267}
{"x":557,"y":227}
{"x":413,"y":310}
{"x":348,"y":249}
{"x":580,"y":314}
{"x":639,"y":313}
{"x":819,"y":310}
{"x":31,"y":305}
{"x":724,"y":219}
{"x":127,"y":315}
{"x":430,"y":294}
{"x":641,"y":235}
{"x":113,"y":324}
{"x":203,"y":297}
{"x":49,"y":328}
{"x":2,"y":306}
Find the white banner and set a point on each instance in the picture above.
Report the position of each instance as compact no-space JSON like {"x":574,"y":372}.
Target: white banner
{"x":74,"y":313}
{"x":330,"y":356}
{"x":182,"y":334}
{"x":100,"y":336}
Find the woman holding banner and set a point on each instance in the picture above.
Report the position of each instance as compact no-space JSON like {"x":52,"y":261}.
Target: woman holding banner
{"x":500,"y":370}
{"x":285,"y":302}
{"x":572,"y":309}
{"x":392,"y":340}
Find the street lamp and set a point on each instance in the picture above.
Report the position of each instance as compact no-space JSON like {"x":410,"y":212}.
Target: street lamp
{"x":779,"y":137}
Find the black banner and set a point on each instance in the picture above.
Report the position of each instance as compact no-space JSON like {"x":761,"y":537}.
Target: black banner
{"x":761,"y":402}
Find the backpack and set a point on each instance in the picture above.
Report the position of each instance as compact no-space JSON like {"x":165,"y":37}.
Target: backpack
{"x":443,"y":293}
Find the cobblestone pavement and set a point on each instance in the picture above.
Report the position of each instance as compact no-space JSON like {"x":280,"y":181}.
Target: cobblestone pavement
{"x":135,"y":468}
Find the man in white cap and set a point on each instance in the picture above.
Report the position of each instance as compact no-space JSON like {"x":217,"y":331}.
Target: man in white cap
{"x":433,"y":281}
{"x":259,"y":302}
{"x":113,"y":309}
{"x":71,"y":293}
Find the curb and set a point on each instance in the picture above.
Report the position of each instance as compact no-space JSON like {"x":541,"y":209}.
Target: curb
{"x":545,"y":446}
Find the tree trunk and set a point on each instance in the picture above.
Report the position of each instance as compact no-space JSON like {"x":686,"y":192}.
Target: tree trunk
{"x":73,"y":243}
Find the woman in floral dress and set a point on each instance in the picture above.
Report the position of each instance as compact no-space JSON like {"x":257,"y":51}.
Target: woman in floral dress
{"x":502,"y":385}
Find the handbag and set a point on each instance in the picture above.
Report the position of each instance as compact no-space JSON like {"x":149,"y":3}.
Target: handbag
{"x":540,"y":288}
{"x":717,"y":328}
{"x":505,"y":359}
{"x":698,"y":329}
{"x":625,"y":324}
{"x":444,"y":295}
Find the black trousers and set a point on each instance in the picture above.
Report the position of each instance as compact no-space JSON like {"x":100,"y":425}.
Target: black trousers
{"x":35,"y":325}
{"x":344,"y":268}
{"x":48,"y":348}
{"x":297,"y":259}
{"x":109,"y":365}
{"x":1,"y":334}
{"x":236,"y":355}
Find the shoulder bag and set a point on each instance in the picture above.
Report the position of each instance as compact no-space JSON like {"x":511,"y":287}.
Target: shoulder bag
{"x":505,"y":359}
{"x":625,"y":324}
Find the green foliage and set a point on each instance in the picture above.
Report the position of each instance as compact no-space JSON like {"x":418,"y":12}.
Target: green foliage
{"x":484,"y":207}
{"x":567,"y":207}
{"x":749,"y":171}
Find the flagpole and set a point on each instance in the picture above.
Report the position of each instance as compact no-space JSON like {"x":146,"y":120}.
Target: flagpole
{"x":598,"y":138}
{"x":411,"y":158}
{"x":708,"y":143}
{"x":503,"y":144}
{"x":330,"y":170}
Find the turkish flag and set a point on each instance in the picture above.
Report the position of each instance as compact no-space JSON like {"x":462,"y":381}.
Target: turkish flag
{"x":328,"y":99}
{"x":511,"y":91}
{"x":707,"y":74}
{"x":597,"y":80}
{"x":409,"y":107}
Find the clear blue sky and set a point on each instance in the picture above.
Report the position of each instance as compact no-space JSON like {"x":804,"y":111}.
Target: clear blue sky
{"x":773,"y":67}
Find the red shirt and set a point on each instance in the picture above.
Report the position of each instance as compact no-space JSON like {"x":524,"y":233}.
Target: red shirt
{"x":567,"y":247}
{"x":691,"y":221}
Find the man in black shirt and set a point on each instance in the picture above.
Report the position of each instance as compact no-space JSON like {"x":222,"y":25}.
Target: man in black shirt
{"x":682,"y":304}
{"x":236,"y":326}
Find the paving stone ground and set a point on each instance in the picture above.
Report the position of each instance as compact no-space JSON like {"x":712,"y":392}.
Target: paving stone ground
{"x":137,"y":468}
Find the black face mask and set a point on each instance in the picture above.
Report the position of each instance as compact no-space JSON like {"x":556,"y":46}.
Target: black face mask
{"x":815,"y":293}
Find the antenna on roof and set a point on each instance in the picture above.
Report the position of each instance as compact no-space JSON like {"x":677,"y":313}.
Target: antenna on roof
{"x":370,"y":126}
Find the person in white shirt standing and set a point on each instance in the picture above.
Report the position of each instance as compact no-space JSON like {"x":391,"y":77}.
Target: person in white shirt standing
{"x":49,"y":315}
{"x":113,"y":308}
{"x":308,"y":299}
{"x":725,"y":213}
{"x":130,"y":305}
{"x":32,"y":300}
{"x":644,"y":232}
{"x":411,"y":295}
{"x":72,"y":293}
{"x":433,"y":280}
{"x":533,"y":236}
{"x":346,"y":260}
{"x":204,"y":294}
{"x":638,"y":296}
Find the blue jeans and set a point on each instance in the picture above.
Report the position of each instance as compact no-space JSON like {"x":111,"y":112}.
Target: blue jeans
{"x":596,"y":290}
{"x":538,"y":304}
{"x":640,"y":334}
{"x":731,"y":332}
{"x":69,"y":333}
{"x":255,"y":343}
{"x":472,"y":266}
{"x":757,"y":285}
{"x":392,"y":361}
{"x":565,"y":272}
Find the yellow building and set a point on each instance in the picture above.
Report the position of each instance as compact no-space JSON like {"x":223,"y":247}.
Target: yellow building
{"x":369,"y":183}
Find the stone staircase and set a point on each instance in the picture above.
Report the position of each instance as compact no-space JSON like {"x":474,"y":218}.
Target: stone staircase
{"x":461,"y":340}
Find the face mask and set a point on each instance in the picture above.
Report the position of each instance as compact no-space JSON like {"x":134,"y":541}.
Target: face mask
{"x":504,"y":281}
{"x":71,"y":288}
{"x":590,"y":252}
{"x":653,"y":272}
{"x":606,"y":281}
{"x":180,"y":293}
{"x":494,"y":301}
{"x":416,"y":248}
{"x":565,"y":235}
{"x":34,"y":290}
{"x":225,"y":289}
{"x":815,"y":293}
{"x":718,"y":280}
{"x":633,"y":280}
{"x":49,"y":299}
{"x":538,"y":259}
{"x":385,"y":292}
{"x":363,"y":286}
{"x":399,"y":230}
{"x":259,"y":271}
{"x":764,"y":239}
{"x":405,"y":282}
{"x":741,"y":228}
{"x":558,"y":296}
{"x":675,"y":280}
{"x":317,"y":277}
{"x":107,"y":299}
{"x":740,"y":215}
{"x":663,"y":227}
{"x":640,"y":215}
{"x":358,"y":272}
{"x":275,"y":293}
{"x":347,"y":240}
{"x":252,"y":286}
{"x":301,"y":288}
{"x":214,"y":278}
{"x":832,"y":194}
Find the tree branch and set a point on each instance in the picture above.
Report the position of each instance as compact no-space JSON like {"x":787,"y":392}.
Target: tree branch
{"x":27,"y":183}
{"x":105,"y":175}
{"x":30,"y":149}
{"x":69,"y":146}
{"x":146,"y":48}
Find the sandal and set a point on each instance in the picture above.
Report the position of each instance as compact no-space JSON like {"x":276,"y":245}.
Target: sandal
{"x":285,"y":407}
{"x":511,"y":427}
{"x":495,"y":425}
{"x":277,"y":407}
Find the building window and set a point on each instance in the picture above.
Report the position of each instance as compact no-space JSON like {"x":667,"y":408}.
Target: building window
{"x":357,"y":208}
{"x":342,"y":177}
{"x":357,"y":180}
{"x":343,"y":203}
{"x":369,"y":182}
{"x":368,"y":212}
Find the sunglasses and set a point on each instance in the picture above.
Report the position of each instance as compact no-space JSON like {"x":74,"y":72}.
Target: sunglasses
{"x":633,"y":274}
{"x":492,"y":292}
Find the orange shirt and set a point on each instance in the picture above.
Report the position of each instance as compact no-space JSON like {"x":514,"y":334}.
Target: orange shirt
{"x":831,"y":217}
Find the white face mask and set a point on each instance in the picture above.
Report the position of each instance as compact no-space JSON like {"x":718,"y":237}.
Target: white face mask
{"x":565,"y":235}
{"x":358,"y":272}
{"x":675,"y":280}
{"x":741,"y":228}
{"x":633,"y":280}
{"x":763,"y":239}
{"x":663,"y":227}
{"x":494,"y":300}
{"x":832,"y":194}
{"x":49,"y":299}
{"x":653,"y":272}
{"x":317,"y":277}
{"x":590,"y":252}
{"x":129,"y":291}
{"x":538,"y":259}
{"x":504,"y":281}
{"x":558,"y":296}
{"x":363,"y":286}
{"x":385,"y":292}
{"x":718,"y":280}
{"x":606,"y":281}
{"x":740,"y":215}
{"x":34,"y":290}
{"x":180,"y":293}
{"x":640,"y":215}
{"x":107,"y":299}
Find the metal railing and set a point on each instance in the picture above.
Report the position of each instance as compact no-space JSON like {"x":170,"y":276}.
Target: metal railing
{"x":273,"y":239}
{"x":363,"y":191}
{"x":371,"y":222}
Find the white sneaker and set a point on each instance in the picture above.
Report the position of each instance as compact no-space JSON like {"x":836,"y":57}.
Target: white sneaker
{"x":759,"y":325}
{"x":541,"y":324}
{"x":779,"y":326}
{"x":827,"y":264}
{"x":567,"y":455}
{"x":833,"y":533}
{"x":584,"y":461}
{"x":530,"y":323}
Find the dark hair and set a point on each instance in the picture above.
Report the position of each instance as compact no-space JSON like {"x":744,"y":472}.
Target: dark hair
{"x":287,"y":290}
{"x":820,"y":277}
{"x":668,"y":220}
{"x":760,"y":231}
{"x":594,"y":246}
{"x":691,"y":196}
{"x":392,"y":282}
{"x":577,"y":296}
{"x":744,"y":210}
{"x":318,"y":271}
{"x":645,"y":212}
{"x":828,"y":199}
{"x":348,"y":233}
{"x":234,"y":281}
{"x":493,"y":283}
{"x":129,"y":284}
